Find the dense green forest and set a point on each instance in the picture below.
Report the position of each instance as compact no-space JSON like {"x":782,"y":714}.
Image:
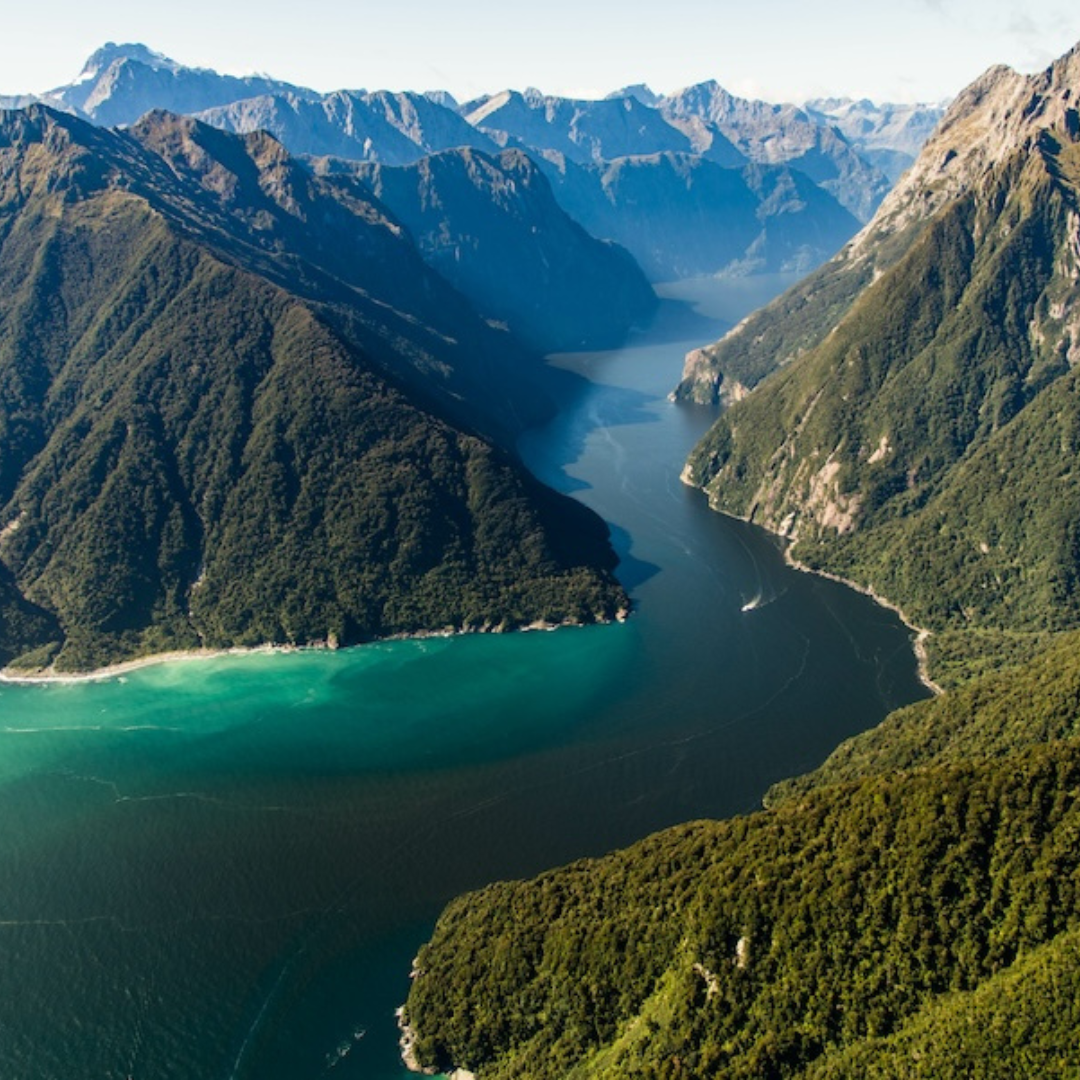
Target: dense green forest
{"x":214,"y":432}
{"x":910,"y":909}
{"x":762,"y":946}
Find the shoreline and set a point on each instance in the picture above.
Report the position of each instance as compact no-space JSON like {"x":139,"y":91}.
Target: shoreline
{"x":922,"y":635}
{"x":123,"y":667}
{"x":49,"y":676}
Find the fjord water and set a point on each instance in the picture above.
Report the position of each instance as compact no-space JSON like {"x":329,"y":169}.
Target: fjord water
{"x":221,"y":868}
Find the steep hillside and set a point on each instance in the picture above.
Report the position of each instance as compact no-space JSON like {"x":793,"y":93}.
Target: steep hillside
{"x":217,"y":377}
{"x":491,"y":226}
{"x":882,"y":448}
{"x":775,"y":945}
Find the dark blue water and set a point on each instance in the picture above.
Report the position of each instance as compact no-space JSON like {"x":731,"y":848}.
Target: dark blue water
{"x":217,"y":869}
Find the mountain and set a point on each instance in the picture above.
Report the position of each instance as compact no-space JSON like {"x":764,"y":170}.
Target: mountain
{"x":119,"y":83}
{"x":581,"y":130}
{"x":910,"y":908}
{"x":491,"y":226}
{"x":888,"y":136}
{"x":933,"y":358}
{"x":639,"y":91}
{"x":234,"y":409}
{"x":824,"y":937}
{"x":714,"y":121}
{"x":397,"y":129}
{"x":682,"y":215}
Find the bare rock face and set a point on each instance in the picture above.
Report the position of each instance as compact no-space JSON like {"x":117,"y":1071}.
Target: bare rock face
{"x":998,"y":114}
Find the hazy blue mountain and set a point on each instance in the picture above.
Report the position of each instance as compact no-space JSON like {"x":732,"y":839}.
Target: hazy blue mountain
{"x":889,"y":136}
{"x":493,"y":228}
{"x":17,"y":101}
{"x":232,"y":399}
{"x":583,"y":131}
{"x":121,"y":82}
{"x":396,"y":129}
{"x":693,"y":228}
{"x":682,"y":215}
{"x":776,"y":134}
{"x":639,"y":91}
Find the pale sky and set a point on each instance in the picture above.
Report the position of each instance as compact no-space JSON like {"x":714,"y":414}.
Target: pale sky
{"x":779,"y":50}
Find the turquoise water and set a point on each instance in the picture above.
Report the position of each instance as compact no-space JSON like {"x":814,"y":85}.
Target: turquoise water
{"x":221,"y":868}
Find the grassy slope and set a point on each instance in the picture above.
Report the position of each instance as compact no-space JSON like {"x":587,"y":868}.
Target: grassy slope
{"x":886,"y":448}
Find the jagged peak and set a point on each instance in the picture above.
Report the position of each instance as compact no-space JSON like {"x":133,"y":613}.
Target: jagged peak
{"x":998,"y":114}
{"x":443,"y":98}
{"x":37,"y":120}
{"x":708,"y":86}
{"x":639,"y":92}
{"x":110,"y":52}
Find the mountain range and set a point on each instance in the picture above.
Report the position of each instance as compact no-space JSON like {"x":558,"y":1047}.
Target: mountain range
{"x":490,"y":224}
{"x":888,"y":136}
{"x":246,"y":397}
{"x":630,"y":131}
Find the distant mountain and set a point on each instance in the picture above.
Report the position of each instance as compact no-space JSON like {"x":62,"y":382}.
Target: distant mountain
{"x":681,"y":215}
{"x":121,"y":82}
{"x":888,"y":136}
{"x":921,"y":438}
{"x":396,"y":129}
{"x":231,"y":408}
{"x":772,"y":135}
{"x":581,"y":130}
{"x":17,"y":101}
{"x":492,"y":227}
{"x":640,"y":92}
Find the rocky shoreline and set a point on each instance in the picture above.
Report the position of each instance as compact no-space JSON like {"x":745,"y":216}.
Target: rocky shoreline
{"x":124,"y":667}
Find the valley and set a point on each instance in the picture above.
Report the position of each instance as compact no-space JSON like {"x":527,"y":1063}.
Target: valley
{"x":325,"y":392}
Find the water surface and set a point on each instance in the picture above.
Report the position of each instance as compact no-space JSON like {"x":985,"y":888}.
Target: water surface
{"x":221,"y":868}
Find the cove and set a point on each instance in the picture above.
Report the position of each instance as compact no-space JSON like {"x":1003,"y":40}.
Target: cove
{"x":222,"y":868}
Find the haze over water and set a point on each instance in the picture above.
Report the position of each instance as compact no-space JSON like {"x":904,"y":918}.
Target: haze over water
{"x":221,"y":868}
